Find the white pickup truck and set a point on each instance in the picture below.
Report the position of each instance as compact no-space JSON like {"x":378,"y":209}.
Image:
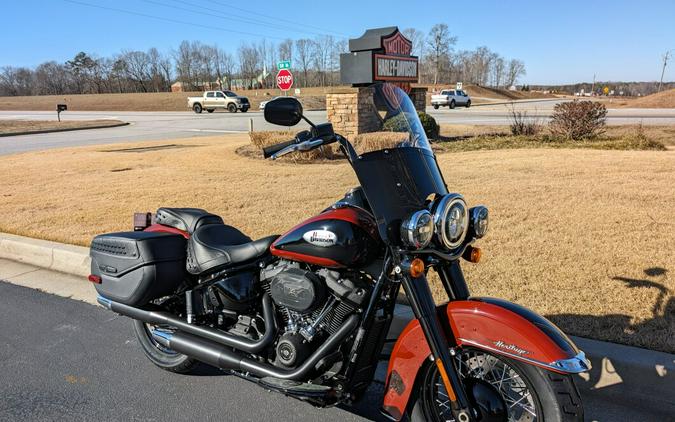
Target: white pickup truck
{"x":211,"y":100}
{"x":451,"y":98}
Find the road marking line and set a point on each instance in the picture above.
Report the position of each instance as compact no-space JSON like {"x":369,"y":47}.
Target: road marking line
{"x":217,"y":131}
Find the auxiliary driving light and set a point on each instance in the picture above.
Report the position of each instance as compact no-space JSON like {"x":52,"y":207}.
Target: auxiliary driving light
{"x":479,"y":220}
{"x":418,"y":229}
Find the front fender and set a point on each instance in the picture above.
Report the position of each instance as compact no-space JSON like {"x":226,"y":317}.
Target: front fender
{"x":494,"y":325}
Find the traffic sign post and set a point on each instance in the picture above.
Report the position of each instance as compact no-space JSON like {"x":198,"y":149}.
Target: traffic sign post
{"x":284,"y":79}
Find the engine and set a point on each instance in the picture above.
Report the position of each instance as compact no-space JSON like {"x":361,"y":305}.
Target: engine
{"x":312,"y":305}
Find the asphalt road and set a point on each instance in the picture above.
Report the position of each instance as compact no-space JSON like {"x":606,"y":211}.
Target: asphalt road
{"x":62,"y":359}
{"x":147,"y":126}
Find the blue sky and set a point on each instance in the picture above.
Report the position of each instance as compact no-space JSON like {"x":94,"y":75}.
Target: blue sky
{"x":560,"y":42}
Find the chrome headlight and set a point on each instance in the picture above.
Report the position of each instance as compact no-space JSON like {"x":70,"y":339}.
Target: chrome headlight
{"x":451,"y":219}
{"x":479,"y":220}
{"x":418,"y":229}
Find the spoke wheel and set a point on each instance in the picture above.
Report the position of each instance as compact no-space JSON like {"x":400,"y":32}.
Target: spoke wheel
{"x":513,"y":390}
{"x":498,"y":376}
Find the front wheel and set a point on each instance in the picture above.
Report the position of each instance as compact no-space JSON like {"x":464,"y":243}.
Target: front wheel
{"x":161,"y":356}
{"x":435,"y":106}
{"x":232,"y":108}
{"x":468,"y":104}
{"x":515,"y":392}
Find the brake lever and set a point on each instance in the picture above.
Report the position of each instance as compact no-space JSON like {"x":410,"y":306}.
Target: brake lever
{"x":302,"y":146}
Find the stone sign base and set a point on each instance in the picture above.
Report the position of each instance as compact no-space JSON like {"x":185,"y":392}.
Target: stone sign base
{"x":348,"y":109}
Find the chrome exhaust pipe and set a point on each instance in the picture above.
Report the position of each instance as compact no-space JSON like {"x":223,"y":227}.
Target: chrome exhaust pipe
{"x":214,"y":354}
{"x":212,"y":334}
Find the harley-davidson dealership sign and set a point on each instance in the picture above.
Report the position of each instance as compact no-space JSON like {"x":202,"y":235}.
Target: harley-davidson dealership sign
{"x":381,"y":54}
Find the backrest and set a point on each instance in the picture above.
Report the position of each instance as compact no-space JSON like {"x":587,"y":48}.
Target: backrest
{"x":186,"y":219}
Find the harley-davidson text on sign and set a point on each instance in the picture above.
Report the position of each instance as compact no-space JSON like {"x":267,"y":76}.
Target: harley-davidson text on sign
{"x":284,"y":79}
{"x":395,"y":68}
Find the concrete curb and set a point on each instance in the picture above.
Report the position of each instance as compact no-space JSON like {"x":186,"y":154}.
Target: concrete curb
{"x":619,"y":371}
{"x":55,"y":256}
{"x":38,"y":132}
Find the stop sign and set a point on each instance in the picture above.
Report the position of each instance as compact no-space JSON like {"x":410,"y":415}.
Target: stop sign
{"x":284,"y":79}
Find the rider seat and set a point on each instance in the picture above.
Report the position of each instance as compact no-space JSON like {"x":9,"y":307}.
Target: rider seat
{"x":212,"y":244}
{"x":216,"y":246}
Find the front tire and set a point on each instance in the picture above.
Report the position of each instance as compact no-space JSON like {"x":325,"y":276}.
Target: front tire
{"x":528,"y":392}
{"x":232,"y":108}
{"x":161,"y":356}
{"x":435,"y":106}
{"x":468,"y":104}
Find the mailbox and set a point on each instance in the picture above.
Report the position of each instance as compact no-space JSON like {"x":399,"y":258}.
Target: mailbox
{"x":59,"y":109}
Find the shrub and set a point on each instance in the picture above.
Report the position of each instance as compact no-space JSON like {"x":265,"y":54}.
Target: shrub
{"x":429,"y":124}
{"x":578,"y":120}
{"x":398,"y":123}
{"x":521,"y":124}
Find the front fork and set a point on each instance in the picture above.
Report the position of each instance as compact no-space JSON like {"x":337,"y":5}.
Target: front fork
{"x":439,"y":337}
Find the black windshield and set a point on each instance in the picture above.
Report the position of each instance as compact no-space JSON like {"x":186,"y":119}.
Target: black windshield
{"x":398,"y":178}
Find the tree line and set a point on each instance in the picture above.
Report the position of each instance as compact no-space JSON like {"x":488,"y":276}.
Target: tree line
{"x":315,"y":62}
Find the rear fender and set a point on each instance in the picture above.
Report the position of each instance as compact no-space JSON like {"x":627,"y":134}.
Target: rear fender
{"x":494,"y":325}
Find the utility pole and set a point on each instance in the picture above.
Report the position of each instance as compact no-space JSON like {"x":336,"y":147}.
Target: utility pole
{"x":663,"y":70}
{"x":593,"y":86}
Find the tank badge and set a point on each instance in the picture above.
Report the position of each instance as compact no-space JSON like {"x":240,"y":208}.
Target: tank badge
{"x":323,"y":238}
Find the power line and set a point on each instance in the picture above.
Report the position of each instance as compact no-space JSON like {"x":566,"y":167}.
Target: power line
{"x":145,"y":15}
{"x":276,"y":18}
{"x":232,"y":17}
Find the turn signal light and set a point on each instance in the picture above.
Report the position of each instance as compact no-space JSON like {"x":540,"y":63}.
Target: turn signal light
{"x":472,"y":254}
{"x":417,"y":268}
{"x":94,"y":279}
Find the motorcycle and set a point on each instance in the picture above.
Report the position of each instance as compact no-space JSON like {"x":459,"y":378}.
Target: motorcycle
{"x":307,"y":313}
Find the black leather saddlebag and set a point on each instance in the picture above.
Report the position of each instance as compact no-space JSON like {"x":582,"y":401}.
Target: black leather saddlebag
{"x":137,"y":267}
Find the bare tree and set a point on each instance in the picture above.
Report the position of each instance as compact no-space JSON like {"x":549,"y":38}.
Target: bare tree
{"x":184,"y":66}
{"x":51,"y":78}
{"x":439,"y":43}
{"x":286,"y":50}
{"x":249,"y":63}
{"x":515,"y":69}
{"x":303,"y":51}
{"x":321,"y":52}
{"x":138,"y":68}
{"x":498,"y":70}
{"x":417,"y":39}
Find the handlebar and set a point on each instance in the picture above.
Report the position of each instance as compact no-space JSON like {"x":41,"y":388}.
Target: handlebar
{"x":308,"y":140}
{"x":271,"y":150}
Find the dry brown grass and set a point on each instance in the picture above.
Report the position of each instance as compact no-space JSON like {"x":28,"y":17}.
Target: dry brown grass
{"x":459,"y":138}
{"x":16,"y":127}
{"x":311,"y":98}
{"x":584,"y":237}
